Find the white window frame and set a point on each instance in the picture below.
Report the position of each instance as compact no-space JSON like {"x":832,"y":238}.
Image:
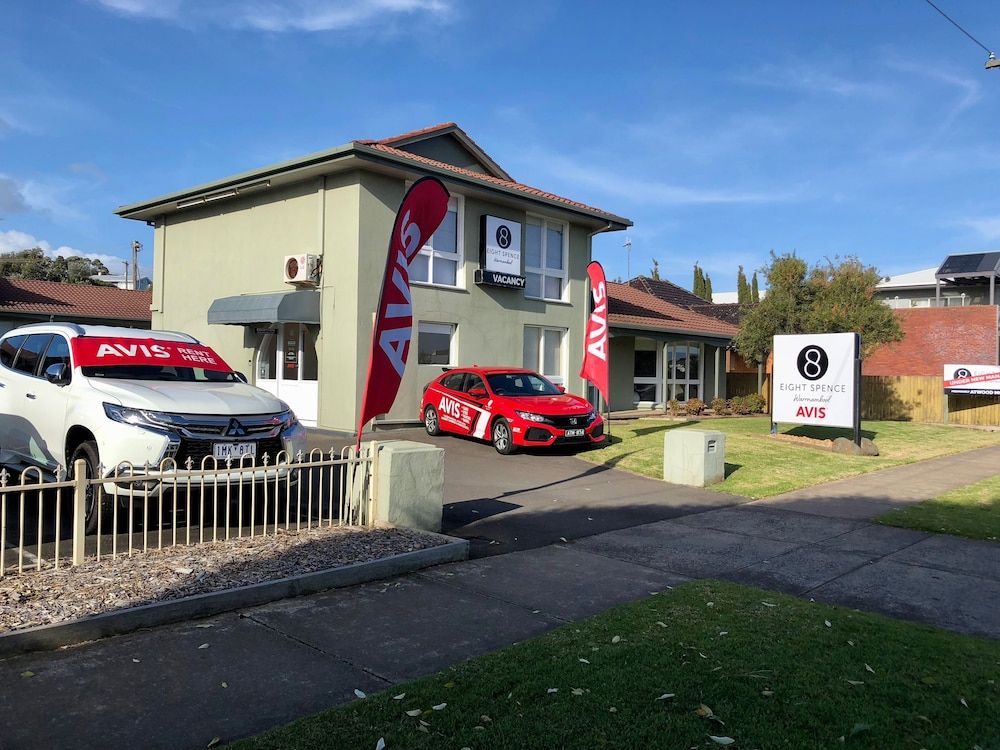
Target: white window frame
{"x":562,"y":275}
{"x":686,"y":383}
{"x":556,"y":378}
{"x":452,"y":329}
{"x":457,"y":204}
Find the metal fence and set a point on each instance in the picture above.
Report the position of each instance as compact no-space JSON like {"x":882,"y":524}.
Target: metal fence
{"x":44,"y":519}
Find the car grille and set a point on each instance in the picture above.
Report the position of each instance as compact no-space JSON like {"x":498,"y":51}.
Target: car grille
{"x":196,"y":450}
{"x":571,"y":422}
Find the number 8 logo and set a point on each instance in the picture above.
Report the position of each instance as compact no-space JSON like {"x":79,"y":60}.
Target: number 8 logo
{"x":813,"y":362}
{"x":503,"y":236}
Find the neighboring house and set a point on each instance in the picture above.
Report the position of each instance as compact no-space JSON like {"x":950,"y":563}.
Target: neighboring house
{"x":966,"y":279}
{"x":220,"y":272}
{"x":123,"y":282}
{"x":28,"y":301}
{"x":666,"y":344}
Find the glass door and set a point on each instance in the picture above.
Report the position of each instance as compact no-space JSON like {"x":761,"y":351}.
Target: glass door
{"x":288,"y":366}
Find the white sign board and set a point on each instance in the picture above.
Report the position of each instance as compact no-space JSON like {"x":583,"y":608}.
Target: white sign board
{"x":814,"y":379}
{"x":973,"y":380}
{"x":502,"y":246}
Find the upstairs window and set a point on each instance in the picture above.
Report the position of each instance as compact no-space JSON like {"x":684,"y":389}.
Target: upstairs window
{"x":545,"y":259}
{"x":439,"y":262}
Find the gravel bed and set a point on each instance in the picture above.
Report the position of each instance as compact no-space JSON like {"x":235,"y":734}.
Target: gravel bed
{"x":51,"y":595}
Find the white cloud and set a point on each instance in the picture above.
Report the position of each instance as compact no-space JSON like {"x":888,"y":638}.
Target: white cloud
{"x":23,"y":196}
{"x":799,"y":76}
{"x":14,"y":240}
{"x":275,"y":16}
{"x":654,"y":192}
{"x":12,"y":199}
{"x":988,"y":227}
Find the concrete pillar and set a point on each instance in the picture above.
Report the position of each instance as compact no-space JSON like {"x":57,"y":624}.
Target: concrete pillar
{"x":409,"y":485}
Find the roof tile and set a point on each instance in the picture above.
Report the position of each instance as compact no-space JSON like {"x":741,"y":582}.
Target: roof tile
{"x":631,"y":306}
{"x":73,"y":300}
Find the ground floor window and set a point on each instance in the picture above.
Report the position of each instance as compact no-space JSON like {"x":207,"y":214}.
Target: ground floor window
{"x":435,"y":343}
{"x":646,"y":372}
{"x":684,"y":371}
{"x":288,"y":352}
{"x":543,"y":352}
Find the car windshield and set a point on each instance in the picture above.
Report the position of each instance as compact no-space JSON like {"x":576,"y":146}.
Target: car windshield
{"x":159,"y":372}
{"x":520,"y":384}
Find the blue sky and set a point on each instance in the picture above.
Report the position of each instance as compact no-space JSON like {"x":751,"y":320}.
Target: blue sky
{"x":723,"y":130}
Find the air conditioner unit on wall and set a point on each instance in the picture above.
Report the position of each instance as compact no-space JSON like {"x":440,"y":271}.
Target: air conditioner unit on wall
{"x":301,"y":269}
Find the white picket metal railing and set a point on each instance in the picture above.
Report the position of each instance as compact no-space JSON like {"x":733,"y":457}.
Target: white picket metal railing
{"x":139,"y":508}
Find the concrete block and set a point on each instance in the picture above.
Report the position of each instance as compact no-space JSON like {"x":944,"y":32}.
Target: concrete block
{"x":696,"y":458}
{"x":410,"y":485}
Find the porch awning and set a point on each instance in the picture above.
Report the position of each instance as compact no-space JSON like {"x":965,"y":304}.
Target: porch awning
{"x":300,"y":306}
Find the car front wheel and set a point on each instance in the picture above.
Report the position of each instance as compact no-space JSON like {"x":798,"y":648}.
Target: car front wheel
{"x":502,"y":439}
{"x":88,"y":452}
{"x":431,"y":423}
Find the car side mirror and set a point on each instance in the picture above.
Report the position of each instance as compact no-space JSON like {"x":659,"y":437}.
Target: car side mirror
{"x":57,"y":374}
{"x":561,"y":388}
{"x":241,"y":377}
{"x":478,"y":393}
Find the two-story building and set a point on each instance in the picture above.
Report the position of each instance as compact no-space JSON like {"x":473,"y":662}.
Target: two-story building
{"x":279,"y":268}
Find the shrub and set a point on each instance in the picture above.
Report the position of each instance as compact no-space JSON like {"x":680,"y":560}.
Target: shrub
{"x":757,"y":403}
{"x":719,"y":406}
{"x":675,"y":407}
{"x":695,"y":406}
{"x":739,"y":405}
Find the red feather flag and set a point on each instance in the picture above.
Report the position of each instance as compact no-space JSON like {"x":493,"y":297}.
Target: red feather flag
{"x":595,"y":355}
{"x":420,"y":214}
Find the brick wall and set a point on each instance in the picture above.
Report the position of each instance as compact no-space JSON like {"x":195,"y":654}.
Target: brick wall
{"x":934,"y":336}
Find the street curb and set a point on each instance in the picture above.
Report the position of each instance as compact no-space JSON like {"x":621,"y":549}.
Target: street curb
{"x":56,"y":635}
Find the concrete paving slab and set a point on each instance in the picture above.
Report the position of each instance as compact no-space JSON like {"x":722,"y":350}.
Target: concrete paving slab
{"x":701,"y":553}
{"x":561,"y":581}
{"x":172,"y":697}
{"x":954,"y":553}
{"x":962,"y":603}
{"x":768,"y":523}
{"x":403,"y":628}
{"x":800,"y":570}
{"x":875,"y":539}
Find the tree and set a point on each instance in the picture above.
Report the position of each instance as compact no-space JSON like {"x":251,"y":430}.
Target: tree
{"x":743,"y":293}
{"x":754,"y":289}
{"x":654,"y":272}
{"x":33,"y":264}
{"x":698,"y":285}
{"x":829,"y":298}
{"x":708,"y":288}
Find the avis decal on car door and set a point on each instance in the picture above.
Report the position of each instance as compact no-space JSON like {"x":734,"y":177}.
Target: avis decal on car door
{"x":454,"y":412}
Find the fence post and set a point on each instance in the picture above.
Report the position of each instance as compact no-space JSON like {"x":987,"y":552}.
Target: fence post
{"x":372,"y":483}
{"x":80,"y":482}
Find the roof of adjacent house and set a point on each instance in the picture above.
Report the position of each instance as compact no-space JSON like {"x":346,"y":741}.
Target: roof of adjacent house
{"x":671,"y":293}
{"x":393,"y":150}
{"x":59,"y":300}
{"x":921,"y":278}
{"x":629,"y":307}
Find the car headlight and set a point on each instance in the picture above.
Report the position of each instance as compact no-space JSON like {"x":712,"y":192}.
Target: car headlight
{"x":137,"y":417}
{"x":531,"y":416}
{"x":591,"y":416}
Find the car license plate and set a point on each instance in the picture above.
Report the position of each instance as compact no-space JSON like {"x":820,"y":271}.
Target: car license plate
{"x":234,"y":450}
{"x":574,"y":433}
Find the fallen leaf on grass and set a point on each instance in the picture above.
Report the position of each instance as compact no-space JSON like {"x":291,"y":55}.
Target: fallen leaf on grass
{"x":723,"y":632}
{"x":225,"y":684}
{"x":552,"y":690}
{"x":204,"y":625}
{"x":583,"y":661}
{"x":486,"y":719}
{"x":710,"y":604}
{"x":704,"y":711}
{"x":360,"y":693}
{"x":380,"y":745}
{"x":577,"y":691}
{"x":850,"y":643}
{"x":136,"y":661}
{"x":213,"y":742}
{"x":424,"y":723}
{"x":962,"y":701}
{"x":661,"y":624}
{"x":424,"y":729}
{"x":868,"y":667}
{"x":449,"y":684}
{"x":27,"y":673}
{"x":665,"y":696}
{"x":767,"y":693}
{"x":439,"y":706}
{"x":855,"y":682}
{"x":413,"y":712}
{"x":721,"y":740}
{"x":828,"y":623}
{"x":613,"y":710}
{"x":204,"y":645}
{"x":616,"y":639}
{"x":563,"y":539}
{"x":399,"y":697}
{"x":928,"y":680}
{"x":858,"y":729}
{"x":769,"y":604}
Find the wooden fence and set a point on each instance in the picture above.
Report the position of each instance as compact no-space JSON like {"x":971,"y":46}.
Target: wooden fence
{"x":908,"y":398}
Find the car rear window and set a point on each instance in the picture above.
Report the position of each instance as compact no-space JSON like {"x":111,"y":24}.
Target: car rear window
{"x":31,"y":352}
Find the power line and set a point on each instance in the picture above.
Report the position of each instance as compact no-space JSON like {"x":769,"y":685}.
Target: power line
{"x":958,"y":26}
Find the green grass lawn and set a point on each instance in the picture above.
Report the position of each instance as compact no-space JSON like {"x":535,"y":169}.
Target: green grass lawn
{"x":709,"y":659}
{"x":972,"y":511}
{"x":758,"y":466}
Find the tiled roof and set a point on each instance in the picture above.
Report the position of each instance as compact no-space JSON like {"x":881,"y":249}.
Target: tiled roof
{"x":509,"y":184}
{"x":395,"y":139}
{"x":53,"y":298}
{"x":628,"y":306}
{"x":666,"y":290}
{"x":729,"y":312}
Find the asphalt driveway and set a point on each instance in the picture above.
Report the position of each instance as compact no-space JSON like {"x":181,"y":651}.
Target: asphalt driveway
{"x":535,"y":498}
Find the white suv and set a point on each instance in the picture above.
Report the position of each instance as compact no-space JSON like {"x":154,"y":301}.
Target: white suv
{"x":120,"y":395}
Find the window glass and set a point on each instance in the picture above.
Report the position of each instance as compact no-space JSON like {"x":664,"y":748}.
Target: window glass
{"x":532,"y":285}
{"x":552,"y":361}
{"x":434,"y":343}
{"x":531,"y":335}
{"x":265,"y":360}
{"x":453,"y":381}
{"x":445,"y":238}
{"x":533,"y":246}
{"x":56,"y":354}
{"x":553,"y":287}
{"x":544,"y":260}
{"x":31,"y":352}
{"x":438,"y":261}
{"x":445,"y":271}
{"x":8,"y":349}
{"x":645,"y":392}
{"x":645,"y":364}
{"x":473,"y":381}
{"x":290,"y":351}
{"x":420,"y":268}
{"x":310,"y":361}
{"x":694,"y":353}
{"x":553,"y":249}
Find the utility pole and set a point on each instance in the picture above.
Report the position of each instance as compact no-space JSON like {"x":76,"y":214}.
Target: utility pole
{"x":126,"y":273}
{"x":136,"y":247}
{"x":628,"y":258}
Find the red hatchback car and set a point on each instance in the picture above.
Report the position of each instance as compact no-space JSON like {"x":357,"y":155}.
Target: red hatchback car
{"x":510,"y":407}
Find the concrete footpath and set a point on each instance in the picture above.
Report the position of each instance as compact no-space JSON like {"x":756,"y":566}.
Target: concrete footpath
{"x":237,"y":674}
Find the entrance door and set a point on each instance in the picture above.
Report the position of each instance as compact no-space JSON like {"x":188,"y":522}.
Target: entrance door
{"x":287,"y":367}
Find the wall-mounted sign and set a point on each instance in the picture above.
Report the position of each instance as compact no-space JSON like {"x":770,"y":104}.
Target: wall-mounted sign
{"x":500,"y":253}
{"x":972,"y":380}
{"x":815,"y":379}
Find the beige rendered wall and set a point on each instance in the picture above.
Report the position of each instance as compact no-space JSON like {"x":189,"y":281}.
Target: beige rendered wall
{"x":489,"y":320}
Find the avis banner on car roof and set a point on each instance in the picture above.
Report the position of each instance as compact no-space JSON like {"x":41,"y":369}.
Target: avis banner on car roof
{"x":108,"y":351}
{"x":595,"y":355}
{"x":423,"y":209}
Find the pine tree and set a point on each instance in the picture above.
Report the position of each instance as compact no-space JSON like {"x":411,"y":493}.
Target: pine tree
{"x":708,"y":288}
{"x":654,"y":272}
{"x":698,"y":287}
{"x":754,"y":289}
{"x":742,"y":288}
